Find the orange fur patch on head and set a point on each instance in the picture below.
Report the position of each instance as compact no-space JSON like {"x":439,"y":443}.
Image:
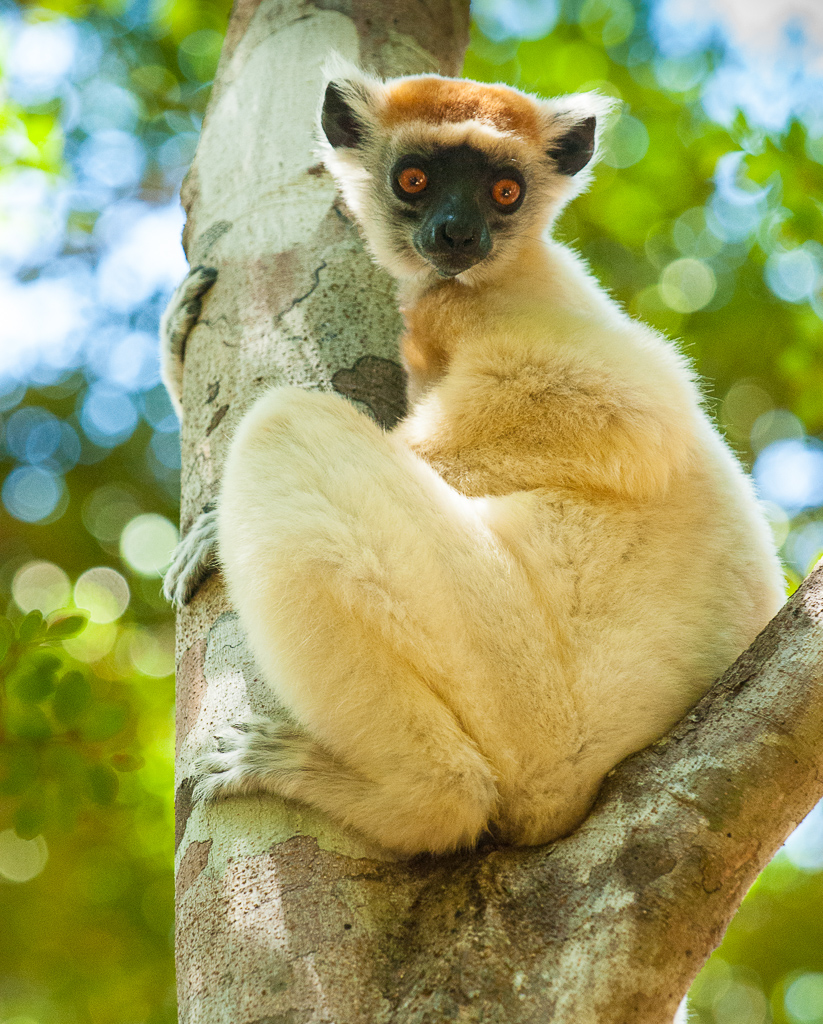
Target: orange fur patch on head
{"x":438,"y":100}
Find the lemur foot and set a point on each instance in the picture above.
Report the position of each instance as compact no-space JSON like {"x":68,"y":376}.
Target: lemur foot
{"x":194,"y":559}
{"x":176,"y":325}
{"x":260,"y":756}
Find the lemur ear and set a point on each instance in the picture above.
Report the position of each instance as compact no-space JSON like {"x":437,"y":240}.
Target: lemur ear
{"x":575,"y":148}
{"x":340,"y":123}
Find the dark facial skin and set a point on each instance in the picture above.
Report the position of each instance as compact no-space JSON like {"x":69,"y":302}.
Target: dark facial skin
{"x":455,"y":212}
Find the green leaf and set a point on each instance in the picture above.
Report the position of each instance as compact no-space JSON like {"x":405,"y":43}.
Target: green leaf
{"x":31,"y":629}
{"x":104,"y":784}
{"x":30,"y":817}
{"x":67,"y":626}
{"x":6,"y":636}
{"x":45,"y":662}
{"x":104,"y":720}
{"x":37,"y":680}
{"x":29,"y":722}
{"x":72,"y":698}
{"x":18,"y":768}
{"x":32,"y":687}
{"x":127,"y":762}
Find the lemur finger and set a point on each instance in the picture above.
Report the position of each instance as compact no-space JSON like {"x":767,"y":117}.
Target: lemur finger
{"x":194,"y":285}
{"x":187,"y":574}
{"x":194,"y":559}
{"x":185,"y":306}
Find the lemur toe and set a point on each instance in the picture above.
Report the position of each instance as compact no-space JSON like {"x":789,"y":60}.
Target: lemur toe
{"x":251,"y":757}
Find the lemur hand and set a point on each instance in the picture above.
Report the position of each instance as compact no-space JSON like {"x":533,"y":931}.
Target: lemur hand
{"x":176,"y":325}
{"x":194,"y":559}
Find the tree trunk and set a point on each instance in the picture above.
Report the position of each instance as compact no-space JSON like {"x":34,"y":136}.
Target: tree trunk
{"x":282,"y":917}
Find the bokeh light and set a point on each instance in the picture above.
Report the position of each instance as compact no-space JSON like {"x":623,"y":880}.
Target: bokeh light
{"x":796,"y":274}
{"x":108,"y":415}
{"x":687,"y":285}
{"x":741,"y":1002}
{"x":103,"y":592}
{"x":804,"y":999}
{"x":524,"y":19}
{"x":790,"y":473}
{"x":775,"y":425}
{"x":107,"y":510}
{"x":33,"y":434}
{"x":803,"y":546}
{"x":627,"y":142}
{"x":744,"y":403}
{"x":32,"y":493}
{"x":21,"y":859}
{"x":41,"y":585}
{"x":43,"y":54}
{"x":152,"y":651}
{"x":147,"y":544}
{"x":94,"y":643}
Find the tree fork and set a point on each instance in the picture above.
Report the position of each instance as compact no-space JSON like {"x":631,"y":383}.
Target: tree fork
{"x":282,"y":917}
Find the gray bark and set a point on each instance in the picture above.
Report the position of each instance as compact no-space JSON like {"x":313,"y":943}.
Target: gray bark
{"x":282,"y":917}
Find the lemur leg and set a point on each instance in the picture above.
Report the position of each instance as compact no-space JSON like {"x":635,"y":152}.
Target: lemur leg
{"x":194,"y":559}
{"x":358,"y":573}
{"x":176,"y":324}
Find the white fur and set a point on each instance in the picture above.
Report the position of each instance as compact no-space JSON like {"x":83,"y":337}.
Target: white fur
{"x":473,"y":619}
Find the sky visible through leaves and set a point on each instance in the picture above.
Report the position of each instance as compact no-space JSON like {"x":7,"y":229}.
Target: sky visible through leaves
{"x":705,"y":219}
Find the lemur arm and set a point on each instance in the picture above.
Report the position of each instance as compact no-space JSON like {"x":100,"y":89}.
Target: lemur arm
{"x":195,"y":557}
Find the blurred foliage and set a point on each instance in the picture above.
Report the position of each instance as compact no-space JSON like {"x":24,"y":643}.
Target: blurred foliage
{"x":93,"y":930}
{"x":710,"y":231}
{"x":87,"y":756}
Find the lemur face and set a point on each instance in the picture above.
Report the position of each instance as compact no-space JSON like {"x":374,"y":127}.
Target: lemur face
{"x":456,"y":202}
{"x":449,"y":178}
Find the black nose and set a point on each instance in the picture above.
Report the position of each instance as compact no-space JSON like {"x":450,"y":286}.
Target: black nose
{"x":459,"y":235}
{"x":453,"y":240}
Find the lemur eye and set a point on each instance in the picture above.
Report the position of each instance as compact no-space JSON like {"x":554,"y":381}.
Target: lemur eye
{"x":412,"y":180}
{"x":506,"y":191}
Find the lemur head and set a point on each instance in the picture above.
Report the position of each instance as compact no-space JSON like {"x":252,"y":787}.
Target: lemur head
{"x":449,"y":177}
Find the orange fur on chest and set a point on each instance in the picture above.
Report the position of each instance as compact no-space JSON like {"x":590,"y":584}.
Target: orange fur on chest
{"x":438,"y":321}
{"x":424,"y":354}
{"x":435,"y":324}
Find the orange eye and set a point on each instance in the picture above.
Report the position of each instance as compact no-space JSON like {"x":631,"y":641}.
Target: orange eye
{"x":506,"y":191}
{"x":412,"y":180}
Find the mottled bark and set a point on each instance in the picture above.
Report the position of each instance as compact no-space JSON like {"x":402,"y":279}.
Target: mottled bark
{"x":282,"y":917}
